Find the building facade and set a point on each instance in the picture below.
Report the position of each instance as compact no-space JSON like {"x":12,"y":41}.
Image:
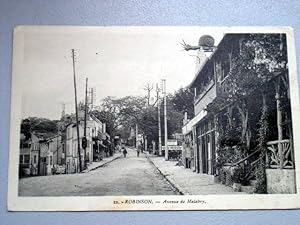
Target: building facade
{"x":41,"y":156}
{"x":242,"y":90}
{"x":97,"y":143}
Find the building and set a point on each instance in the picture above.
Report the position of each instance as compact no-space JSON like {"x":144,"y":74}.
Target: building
{"x":52,"y":156}
{"x":40,"y":155}
{"x":231,"y":103}
{"x":98,"y":143}
{"x":24,"y":158}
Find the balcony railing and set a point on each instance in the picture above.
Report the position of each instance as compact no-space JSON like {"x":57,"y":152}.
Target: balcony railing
{"x":280,"y":154}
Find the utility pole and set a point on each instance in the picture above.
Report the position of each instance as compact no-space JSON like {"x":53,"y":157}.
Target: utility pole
{"x":165,"y":120}
{"x":76,"y":111}
{"x":84,"y":143}
{"x":158,"y":115}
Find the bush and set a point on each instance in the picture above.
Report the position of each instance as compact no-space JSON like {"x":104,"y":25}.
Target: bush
{"x":222,"y":176}
{"x":260,"y":173}
{"x":238,"y":175}
{"x":228,"y":178}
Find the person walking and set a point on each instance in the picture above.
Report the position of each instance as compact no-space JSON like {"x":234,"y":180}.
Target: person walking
{"x":124,"y":151}
{"x":138,"y":151}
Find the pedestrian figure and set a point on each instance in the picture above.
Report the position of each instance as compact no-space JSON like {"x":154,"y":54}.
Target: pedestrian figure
{"x":139,"y":148}
{"x":124,"y":152}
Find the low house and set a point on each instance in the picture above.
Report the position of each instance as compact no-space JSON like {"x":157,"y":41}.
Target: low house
{"x":51,"y":156}
{"x":29,"y":155}
{"x":24,"y":157}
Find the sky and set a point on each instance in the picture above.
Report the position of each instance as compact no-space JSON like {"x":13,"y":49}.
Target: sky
{"x":118,"y":61}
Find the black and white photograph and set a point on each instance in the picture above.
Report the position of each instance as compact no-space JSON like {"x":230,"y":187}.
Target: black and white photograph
{"x":154,"y":118}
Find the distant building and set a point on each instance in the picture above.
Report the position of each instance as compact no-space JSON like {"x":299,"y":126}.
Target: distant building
{"x":98,"y":143}
{"x":40,"y":155}
{"x":24,"y":158}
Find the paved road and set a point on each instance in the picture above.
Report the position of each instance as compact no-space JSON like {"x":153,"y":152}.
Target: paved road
{"x":125,"y":176}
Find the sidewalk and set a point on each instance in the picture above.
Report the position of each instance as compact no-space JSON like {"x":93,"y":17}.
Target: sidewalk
{"x":188,"y":182}
{"x":104,"y":161}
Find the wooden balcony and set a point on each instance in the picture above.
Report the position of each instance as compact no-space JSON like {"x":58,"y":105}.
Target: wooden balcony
{"x":280,"y":154}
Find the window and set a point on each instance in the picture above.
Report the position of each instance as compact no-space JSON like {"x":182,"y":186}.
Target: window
{"x":26,"y":158}
{"x":21,"y":159}
{"x":50,"y":160}
{"x":34,"y":159}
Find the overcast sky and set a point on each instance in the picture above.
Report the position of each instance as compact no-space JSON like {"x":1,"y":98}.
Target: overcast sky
{"x":118,"y":61}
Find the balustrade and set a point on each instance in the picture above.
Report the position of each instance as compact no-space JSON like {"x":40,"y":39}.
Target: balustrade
{"x":280,"y":154}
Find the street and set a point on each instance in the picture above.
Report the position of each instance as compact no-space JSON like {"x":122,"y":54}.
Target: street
{"x":124,"y":176}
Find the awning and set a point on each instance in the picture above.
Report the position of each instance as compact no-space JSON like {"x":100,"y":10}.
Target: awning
{"x":189,"y":126}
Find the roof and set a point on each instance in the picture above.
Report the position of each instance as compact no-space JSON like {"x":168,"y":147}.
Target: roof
{"x":46,"y":135}
{"x":201,"y":69}
{"x":223,"y":43}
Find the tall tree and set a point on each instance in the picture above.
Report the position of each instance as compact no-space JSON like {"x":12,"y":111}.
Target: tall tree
{"x":183,"y":101}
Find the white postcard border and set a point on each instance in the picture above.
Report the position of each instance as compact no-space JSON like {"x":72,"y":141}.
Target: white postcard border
{"x":106,"y":203}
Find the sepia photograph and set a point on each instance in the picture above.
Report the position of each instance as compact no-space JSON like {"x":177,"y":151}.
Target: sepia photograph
{"x":153,"y":118}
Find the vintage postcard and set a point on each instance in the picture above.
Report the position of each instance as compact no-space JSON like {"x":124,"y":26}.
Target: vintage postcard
{"x":154,"y":118}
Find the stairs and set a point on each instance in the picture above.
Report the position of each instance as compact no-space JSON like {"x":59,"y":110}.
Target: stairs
{"x":249,"y":188}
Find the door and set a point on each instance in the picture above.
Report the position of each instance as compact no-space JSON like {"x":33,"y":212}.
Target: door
{"x":213,"y":152}
{"x":205,"y":142}
{"x":198,"y":155}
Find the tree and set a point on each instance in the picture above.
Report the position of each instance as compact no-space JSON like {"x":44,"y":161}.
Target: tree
{"x":39,"y":125}
{"x":261,"y":59}
{"x":183,"y":101}
{"x":148,"y":123}
{"x":117,"y":112}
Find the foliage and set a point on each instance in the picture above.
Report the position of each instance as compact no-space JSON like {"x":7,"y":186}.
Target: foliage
{"x":117,"y":112}
{"x":222,"y":174}
{"x":148,"y":123}
{"x":228,"y":180}
{"x":229,"y":154}
{"x":38,"y":125}
{"x":260,"y":56}
{"x":260,"y":174}
{"x":123,"y":114}
{"x":260,"y":59}
{"x":182,"y":101}
{"x":239,"y":175}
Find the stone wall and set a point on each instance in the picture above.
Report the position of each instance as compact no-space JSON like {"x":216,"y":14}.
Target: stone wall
{"x":281,"y":181}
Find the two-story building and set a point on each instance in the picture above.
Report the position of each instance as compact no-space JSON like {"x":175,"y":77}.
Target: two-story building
{"x":239,"y":119}
{"x":51,"y":155}
{"x":97,"y":143}
{"x":40,"y":155}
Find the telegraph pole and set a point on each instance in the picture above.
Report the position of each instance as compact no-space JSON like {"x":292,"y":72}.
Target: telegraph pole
{"x":76,"y":111}
{"x":158,"y":115}
{"x":84,"y":143}
{"x":165,"y":120}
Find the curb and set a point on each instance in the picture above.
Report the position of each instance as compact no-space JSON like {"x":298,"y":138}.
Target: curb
{"x":169,"y":180}
{"x":87,"y":171}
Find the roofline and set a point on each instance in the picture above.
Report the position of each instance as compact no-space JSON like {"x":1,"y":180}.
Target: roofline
{"x":207,"y":59}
